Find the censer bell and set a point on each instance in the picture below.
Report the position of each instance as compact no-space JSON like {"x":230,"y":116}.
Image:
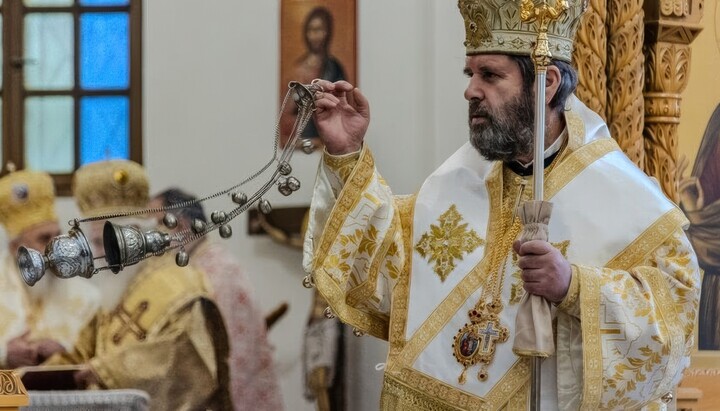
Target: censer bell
{"x":127,"y":245}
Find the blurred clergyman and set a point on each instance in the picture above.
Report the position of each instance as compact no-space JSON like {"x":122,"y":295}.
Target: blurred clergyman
{"x":36,"y":322}
{"x":253,"y":382}
{"x":165,"y":335}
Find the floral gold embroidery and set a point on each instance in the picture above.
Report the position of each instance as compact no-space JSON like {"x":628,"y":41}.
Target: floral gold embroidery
{"x":447,"y":242}
{"x":516,"y":289}
{"x":392,"y":268}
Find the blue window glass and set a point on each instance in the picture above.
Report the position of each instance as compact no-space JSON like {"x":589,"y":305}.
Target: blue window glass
{"x":104,"y":128}
{"x":104,"y":51}
{"x":104,"y":2}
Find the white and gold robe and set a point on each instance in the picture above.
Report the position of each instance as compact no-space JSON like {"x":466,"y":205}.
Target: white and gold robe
{"x":408,"y":269}
{"x":54,"y":308}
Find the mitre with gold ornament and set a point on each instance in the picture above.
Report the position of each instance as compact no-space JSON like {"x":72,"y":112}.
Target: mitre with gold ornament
{"x":27,"y":198}
{"x":110,"y":187}
{"x":511,"y":27}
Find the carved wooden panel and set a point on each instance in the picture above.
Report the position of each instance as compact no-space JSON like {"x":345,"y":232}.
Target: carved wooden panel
{"x":667,"y":70}
{"x":625,"y":76}
{"x":590,"y":57}
{"x":670,"y":27}
{"x":633,"y":60}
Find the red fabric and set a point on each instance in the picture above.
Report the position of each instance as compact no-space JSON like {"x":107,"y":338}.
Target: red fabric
{"x":253,"y":385}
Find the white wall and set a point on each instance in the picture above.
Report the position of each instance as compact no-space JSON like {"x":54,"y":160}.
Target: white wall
{"x":210,"y":101}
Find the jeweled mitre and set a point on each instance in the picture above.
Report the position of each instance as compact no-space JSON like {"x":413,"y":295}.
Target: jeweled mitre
{"x":112,"y":186}
{"x":27,"y":198}
{"x":496,"y":26}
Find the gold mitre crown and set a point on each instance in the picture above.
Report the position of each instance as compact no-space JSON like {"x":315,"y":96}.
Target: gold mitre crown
{"x":496,"y":26}
{"x":108,"y":187}
{"x":27,"y":198}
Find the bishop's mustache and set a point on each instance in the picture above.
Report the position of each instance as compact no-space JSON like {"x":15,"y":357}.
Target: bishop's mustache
{"x":476,"y":109}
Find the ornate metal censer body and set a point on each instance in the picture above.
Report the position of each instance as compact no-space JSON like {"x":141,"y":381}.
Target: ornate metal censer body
{"x":69,"y":255}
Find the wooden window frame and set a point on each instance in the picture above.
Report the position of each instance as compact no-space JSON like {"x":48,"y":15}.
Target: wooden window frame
{"x":13,"y":92}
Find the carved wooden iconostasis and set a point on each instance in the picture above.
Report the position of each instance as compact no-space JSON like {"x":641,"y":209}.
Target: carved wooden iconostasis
{"x":645,"y":50}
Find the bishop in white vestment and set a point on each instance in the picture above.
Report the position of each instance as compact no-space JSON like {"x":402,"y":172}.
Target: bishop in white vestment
{"x":436,"y":274}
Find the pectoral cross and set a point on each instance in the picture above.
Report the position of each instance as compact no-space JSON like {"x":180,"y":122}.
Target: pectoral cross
{"x":489,"y":335}
{"x":130,"y":322}
{"x":485,"y":327}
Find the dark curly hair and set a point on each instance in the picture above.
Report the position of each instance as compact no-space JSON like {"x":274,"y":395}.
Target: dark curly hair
{"x":173,"y":196}
{"x":568,"y":80}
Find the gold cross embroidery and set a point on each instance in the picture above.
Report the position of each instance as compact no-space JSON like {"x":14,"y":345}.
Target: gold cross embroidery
{"x":447,"y":242}
{"x":130,"y":323}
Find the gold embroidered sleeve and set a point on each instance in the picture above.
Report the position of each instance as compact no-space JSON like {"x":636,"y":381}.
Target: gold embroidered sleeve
{"x":569,"y":304}
{"x":637,"y":324}
{"x":354,"y":246}
{"x":339,"y":168}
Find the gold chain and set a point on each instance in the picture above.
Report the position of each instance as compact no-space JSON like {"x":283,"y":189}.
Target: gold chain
{"x":510,"y":229}
{"x":475,"y":342}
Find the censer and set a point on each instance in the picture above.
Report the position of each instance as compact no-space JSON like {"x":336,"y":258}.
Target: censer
{"x":69,"y":255}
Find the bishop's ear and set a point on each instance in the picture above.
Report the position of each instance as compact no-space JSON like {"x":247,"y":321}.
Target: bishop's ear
{"x":552,"y":82}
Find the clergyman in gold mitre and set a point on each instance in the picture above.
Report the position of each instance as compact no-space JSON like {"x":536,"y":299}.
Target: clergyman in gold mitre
{"x":27,"y":199}
{"x":104,"y":188}
{"x":158,"y":330}
{"x":111,"y":187}
{"x":511,"y":27}
{"x":35,"y":321}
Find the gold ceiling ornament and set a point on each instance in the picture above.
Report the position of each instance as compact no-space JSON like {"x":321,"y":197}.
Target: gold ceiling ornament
{"x":497,"y":26}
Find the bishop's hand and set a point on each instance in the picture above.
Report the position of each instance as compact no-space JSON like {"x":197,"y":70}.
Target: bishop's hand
{"x":342,"y":117}
{"x":46,"y":348}
{"x":21,"y":352}
{"x":545,"y":272}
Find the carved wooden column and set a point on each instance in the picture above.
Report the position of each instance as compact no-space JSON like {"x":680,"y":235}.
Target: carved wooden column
{"x":12,"y":392}
{"x":670,"y":27}
{"x":590,"y":57}
{"x":625,"y":65}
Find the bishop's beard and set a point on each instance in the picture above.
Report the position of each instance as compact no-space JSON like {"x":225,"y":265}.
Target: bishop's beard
{"x":507,"y":133}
